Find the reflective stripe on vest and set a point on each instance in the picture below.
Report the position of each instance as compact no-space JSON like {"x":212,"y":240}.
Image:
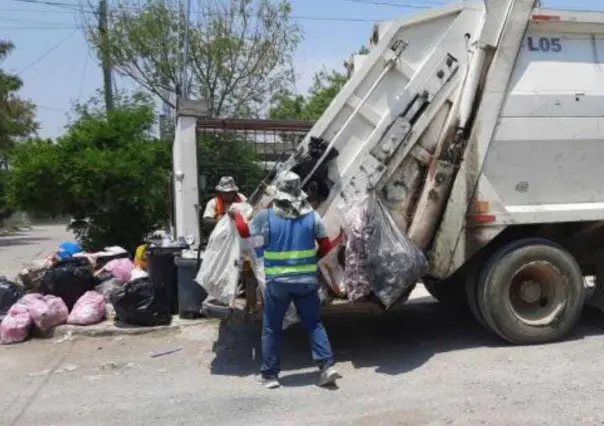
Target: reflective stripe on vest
{"x":291,"y":246}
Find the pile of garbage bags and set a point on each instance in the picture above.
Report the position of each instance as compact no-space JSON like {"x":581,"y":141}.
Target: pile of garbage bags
{"x":44,"y":312}
{"x":74,"y":287}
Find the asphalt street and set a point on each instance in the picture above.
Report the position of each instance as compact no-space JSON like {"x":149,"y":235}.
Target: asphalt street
{"x":423,"y":366}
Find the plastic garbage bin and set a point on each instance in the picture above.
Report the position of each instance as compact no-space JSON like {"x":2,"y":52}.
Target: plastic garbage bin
{"x":163,"y":271}
{"x":190,"y":294}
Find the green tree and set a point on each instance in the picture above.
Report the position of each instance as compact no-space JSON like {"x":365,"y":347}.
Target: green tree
{"x":107,"y":172}
{"x":286,"y":105}
{"x":240,"y":51}
{"x":17,"y":121}
{"x":17,"y":116}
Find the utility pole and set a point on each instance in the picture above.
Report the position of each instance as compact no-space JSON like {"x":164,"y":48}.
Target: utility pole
{"x":105,"y":58}
{"x":183,"y":91}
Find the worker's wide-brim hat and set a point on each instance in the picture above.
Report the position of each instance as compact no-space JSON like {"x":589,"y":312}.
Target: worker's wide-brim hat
{"x":288,"y":188}
{"x":226,"y":184}
{"x":289,"y":198}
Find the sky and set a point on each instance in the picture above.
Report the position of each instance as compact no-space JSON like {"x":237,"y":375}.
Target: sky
{"x":57,"y":68}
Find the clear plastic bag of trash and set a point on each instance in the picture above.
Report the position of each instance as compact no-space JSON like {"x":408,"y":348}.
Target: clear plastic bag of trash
{"x":356,"y":217}
{"x":386,"y":259}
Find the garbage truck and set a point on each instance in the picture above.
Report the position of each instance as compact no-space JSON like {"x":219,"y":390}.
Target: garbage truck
{"x":481,"y":127}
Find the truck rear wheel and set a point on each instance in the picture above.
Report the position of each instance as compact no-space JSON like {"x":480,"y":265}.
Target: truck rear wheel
{"x":531,"y":292}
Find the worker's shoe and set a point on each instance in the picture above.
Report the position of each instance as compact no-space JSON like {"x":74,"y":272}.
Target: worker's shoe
{"x":329,"y":377}
{"x":268,"y":382}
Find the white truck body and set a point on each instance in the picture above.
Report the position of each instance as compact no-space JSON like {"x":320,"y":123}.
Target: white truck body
{"x":472,"y":120}
{"x":535,"y":145}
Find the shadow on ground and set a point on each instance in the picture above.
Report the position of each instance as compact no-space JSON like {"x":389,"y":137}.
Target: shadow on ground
{"x":20,"y":239}
{"x":392,"y":343}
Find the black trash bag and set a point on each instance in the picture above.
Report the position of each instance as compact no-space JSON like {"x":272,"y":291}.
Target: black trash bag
{"x":141,"y":302}
{"x":69,"y":279}
{"x":9,"y":294}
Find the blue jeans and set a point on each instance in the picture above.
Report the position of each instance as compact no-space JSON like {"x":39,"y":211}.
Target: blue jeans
{"x":277,"y":299}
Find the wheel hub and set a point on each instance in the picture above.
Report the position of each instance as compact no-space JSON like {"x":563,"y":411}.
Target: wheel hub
{"x":536,"y":293}
{"x":530,"y":291}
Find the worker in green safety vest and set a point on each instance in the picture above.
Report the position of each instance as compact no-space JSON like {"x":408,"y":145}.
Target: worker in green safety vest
{"x":291,"y":229}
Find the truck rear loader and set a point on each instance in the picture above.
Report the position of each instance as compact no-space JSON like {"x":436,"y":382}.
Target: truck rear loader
{"x":482,"y":128}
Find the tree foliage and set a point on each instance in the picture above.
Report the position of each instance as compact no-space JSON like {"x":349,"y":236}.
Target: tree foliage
{"x":287,"y":105}
{"x":326,"y":85}
{"x":106,"y":172}
{"x":240,"y":51}
{"x":17,"y":116}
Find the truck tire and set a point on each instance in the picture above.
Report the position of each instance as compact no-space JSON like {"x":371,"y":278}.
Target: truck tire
{"x":531,"y":292}
{"x":471,"y":284}
{"x":473,"y":274}
{"x":449,"y":291}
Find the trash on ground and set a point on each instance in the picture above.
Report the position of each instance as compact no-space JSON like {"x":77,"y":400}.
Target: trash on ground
{"x":141,"y":303}
{"x":16,"y":325}
{"x":69,"y":279}
{"x":89,"y":309}
{"x":45,"y":311}
{"x":138,"y":273}
{"x":33,"y":272}
{"x":67,"y":249}
{"x":67,"y":368}
{"x":165,"y":352}
{"x":9,"y":294}
{"x":108,"y":287}
{"x":120,"y":268}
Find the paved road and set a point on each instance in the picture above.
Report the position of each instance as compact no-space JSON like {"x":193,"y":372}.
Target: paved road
{"x":22,"y":247}
{"x":423,"y":366}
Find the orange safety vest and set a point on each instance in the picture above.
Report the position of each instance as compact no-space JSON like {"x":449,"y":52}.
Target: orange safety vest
{"x":220,"y":210}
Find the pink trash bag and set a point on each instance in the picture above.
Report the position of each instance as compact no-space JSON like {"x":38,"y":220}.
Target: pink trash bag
{"x":16,"y":325}
{"x":89,"y":309}
{"x":120,"y":268}
{"x":46,"y":311}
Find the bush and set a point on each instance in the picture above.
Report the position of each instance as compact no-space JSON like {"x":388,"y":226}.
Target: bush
{"x":107,"y":172}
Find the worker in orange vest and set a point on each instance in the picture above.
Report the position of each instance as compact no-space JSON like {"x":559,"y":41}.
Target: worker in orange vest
{"x":227,"y":193}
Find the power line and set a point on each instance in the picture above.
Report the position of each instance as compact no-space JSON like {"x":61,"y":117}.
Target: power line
{"x":74,"y":8}
{"x":48,"y":52}
{"x":383,"y":3}
{"x":51,"y":109}
{"x":36,"y":28}
{"x":26,"y":21}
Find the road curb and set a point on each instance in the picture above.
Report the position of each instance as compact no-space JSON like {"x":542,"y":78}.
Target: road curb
{"x":110,"y":329}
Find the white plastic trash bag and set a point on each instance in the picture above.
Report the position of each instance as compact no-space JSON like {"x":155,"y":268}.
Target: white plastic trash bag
{"x":219,"y":272}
